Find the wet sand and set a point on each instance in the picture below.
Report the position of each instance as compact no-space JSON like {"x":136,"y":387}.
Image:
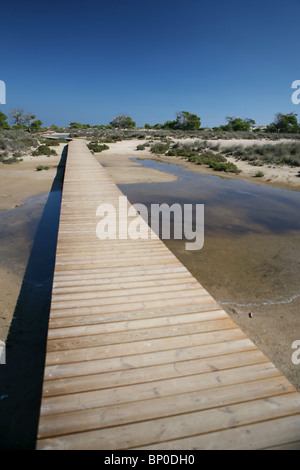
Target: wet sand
{"x":257,"y":290}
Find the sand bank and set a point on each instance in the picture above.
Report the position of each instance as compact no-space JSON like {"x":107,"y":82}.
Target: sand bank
{"x":120,"y":167}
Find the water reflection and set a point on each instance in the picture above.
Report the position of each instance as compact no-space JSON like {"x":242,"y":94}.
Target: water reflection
{"x":251,"y":248}
{"x":231,"y":205}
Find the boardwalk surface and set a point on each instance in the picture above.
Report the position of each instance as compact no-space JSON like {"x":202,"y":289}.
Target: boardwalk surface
{"x":139,"y":355}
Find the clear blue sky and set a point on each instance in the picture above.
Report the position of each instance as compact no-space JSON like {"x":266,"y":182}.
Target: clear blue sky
{"x":91,"y":60}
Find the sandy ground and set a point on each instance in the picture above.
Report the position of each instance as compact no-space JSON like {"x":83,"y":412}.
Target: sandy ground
{"x":9,"y":290}
{"x":119,"y":165}
{"x":118,"y":162}
{"x":21,"y":180}
{"x":283,"y":177}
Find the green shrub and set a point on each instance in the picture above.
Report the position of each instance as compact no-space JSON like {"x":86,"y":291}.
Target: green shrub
{"x":159,"y":147}
{"x":96,"y":147}
{"x":259,"y":174}
{"x":285,"y":153}
{"x":43,"y":150}
{"x":140,"y":147}
{"x":228,"y":167}
{"x":206,"y":158}
{"x":54,"y":142}
{"x":41,"y":167}
{"x":8,"y":161}
{"x":17,"y":154}
{"x":3,"y":144}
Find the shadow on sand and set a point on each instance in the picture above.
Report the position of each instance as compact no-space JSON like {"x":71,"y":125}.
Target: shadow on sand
{"x":21,"y":378}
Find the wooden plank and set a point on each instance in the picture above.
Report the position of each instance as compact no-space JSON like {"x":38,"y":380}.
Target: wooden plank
{"x":151,"y":373}
{"x":72,"y":299}
{"x":289,"y":446}
{"x":119,"y":414}
{"x":137,"y":361}
{"x":113,"y":306}
{"x":207,"y":311}
{"x":249,"y":437}
{"x":159,"y":388}
{"x":139,"y":347}
{"x":130,"y":336}
{"x":203,"y":422}
{"x":135,"y":324}
{"x":110,"y":284}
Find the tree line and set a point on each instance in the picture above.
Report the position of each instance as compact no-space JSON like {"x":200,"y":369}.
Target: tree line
{"x":283,"y":123}
{"x":20,"y":120}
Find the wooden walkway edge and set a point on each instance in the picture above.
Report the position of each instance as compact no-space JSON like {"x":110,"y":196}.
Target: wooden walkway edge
{"x":139,"y":355}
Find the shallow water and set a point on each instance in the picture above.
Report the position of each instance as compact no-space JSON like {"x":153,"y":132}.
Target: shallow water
{"x":28,"y":244}
{"x":251,"y":249}
{"x":18,"y":228}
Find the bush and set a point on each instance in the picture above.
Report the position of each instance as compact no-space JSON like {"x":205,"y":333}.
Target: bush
{"x":122,"y":121}
{"x":159,"y":147}
{"x":96,"y":147}
{"x":43,"y":150}
{"x":41,"y":167}
{"x":207,"y":158}
{"x":140,"y":147}
{"x":17,"y":154}
{"x":8,"y":161}
{"x":20,"y":141}
{"x":259,"y":174}
{"x":228,"y":167}
{"x":287,"y":153}
{"x":54,"y":142}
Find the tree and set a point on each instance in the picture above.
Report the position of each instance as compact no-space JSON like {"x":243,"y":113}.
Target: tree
{"x":187,"y":121}
{"x":75,"y":125}
{"x":170,"y":125}
{"x":123,"y":121}
{"x":20,"y":118}
{"x":3,"y":123}
{"x":36,"y":125}
{"x":286,"y":123}
{"x":184,"y":121}
{"x":237,"y":124}
{"x":251,"y":122}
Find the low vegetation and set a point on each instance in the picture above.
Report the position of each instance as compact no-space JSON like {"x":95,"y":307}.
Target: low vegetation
{"x":96,"y":147}
{"x":201,"y":153}
{"x":15,"y":143}
{"x":284,"y":153}
{"x":43,"y":150}
{"x":41,"y":168}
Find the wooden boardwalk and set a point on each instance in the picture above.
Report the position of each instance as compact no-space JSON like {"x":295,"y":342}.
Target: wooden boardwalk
{"x":139,"y":355}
